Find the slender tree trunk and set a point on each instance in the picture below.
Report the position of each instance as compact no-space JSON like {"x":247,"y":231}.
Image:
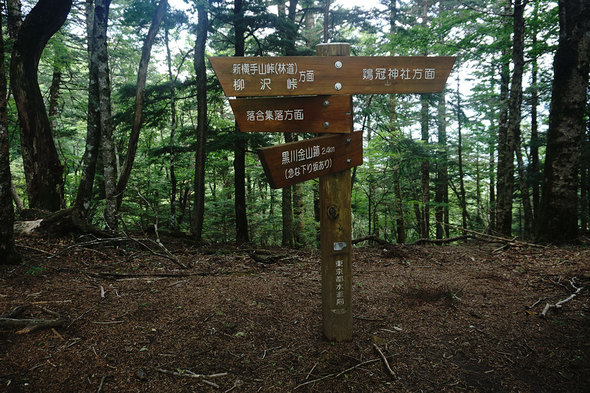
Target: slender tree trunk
{"x":534,"y":172}
{"x":144,"y":61}
{"x":198,"y":216}
{"x":14,"y":17}
{"x":91,"y":150}
{"x":298,"y":215}
{"x":53,"y":109}
{"x":524,"y":190}
{"x":425,"y":171}
{"x":442,"y":173}
{"x":43,"y":170}
{"x":287,"y":209}
{"x":242,"y":235}
{"x":100,"y":53}
{"x":558,"y":218}
{"x":172,"y":166}
{"x":463,"y":199}
{"x":400,"y":223}
{"x":585,"y":177}
{"x":505,"y":165}
{"x":8,"y":254}
{"x":492,"y":188}
{"x":514,"y":108}
{"x":298,"y":212}
{"x":424,"y":128}
{"x":326,"y":22}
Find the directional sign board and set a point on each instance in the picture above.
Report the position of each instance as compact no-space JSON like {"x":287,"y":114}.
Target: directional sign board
{"x":296,"y":162}
{"x":313,"y":75}
{"x":315,"y":114}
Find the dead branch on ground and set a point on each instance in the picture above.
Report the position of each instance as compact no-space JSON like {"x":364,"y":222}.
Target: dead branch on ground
{"x":443,"y":241}
{"x":29,"y":325}
{"x":190,"y":374}
{"x":391,"y":372}
{"x":497,"y":239}
{"x":371,"y":238}
{"x":337,"y":375}
{"x":560,"y":303}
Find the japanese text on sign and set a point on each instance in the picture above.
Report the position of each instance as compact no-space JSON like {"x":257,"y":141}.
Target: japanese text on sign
{"x":308,"y":168}
{"x":339,"y":278}
{"x":304,"y":154}
{"x":277,"y":115}
{"x":370,"y":74}
{"x":268,"y":69}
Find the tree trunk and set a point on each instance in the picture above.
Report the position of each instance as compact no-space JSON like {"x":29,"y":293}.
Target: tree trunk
{"x":242,"y":235}
{"x":441,"y":196}
{"x":505,"y":152}
{"x":558,"y":219}
{"x":287,"y":209}
{"x":425,"y":171}
{"x":8,"y":254}
{"x":534,"y":174}
{"x":400,"y":223}
{"x":144,"y":61}
{"x":514,"y":109}
{"x":100,"y":56}
{"x":326,"y":23}
{"x":14,"y":18}
{"x":463,"y":199}
{"x":43,"y":170}
{"x":198,"y":215}
{"x":298,"y":214}
{"x":173,"y":182}
{"x":53,"y":109}
{"x":584,"y":185}
{"x":90,"y":157}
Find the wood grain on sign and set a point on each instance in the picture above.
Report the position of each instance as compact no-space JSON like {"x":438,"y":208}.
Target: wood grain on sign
{"x":315,"y":114}
{"x":296,"y":162}
{"x":312,"y":75}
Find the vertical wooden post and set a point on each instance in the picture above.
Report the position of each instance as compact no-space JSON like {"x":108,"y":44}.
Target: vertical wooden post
{"x":335,"y":239}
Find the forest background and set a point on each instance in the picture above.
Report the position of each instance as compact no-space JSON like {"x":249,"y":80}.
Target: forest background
{"x":91,"y":125}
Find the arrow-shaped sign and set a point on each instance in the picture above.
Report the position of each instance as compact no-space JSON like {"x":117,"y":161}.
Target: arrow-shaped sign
{"x":313,"y":75}
{"x":296,"y":162}
{"x":315,"y":114}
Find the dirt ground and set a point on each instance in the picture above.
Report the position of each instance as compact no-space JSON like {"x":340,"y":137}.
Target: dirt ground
{"x":447,"y":318}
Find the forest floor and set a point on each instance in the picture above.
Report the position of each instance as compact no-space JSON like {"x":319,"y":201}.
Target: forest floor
{"x":450,"y":318}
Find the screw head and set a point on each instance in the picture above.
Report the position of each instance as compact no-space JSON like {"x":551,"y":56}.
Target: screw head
{"x":326,"y":103}
{"x":326,"y":124}
{"x":338,"y":64}
{"x":338,"y":86}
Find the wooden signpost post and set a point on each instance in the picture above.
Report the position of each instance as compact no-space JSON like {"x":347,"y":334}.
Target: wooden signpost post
{"x":326,"y":82}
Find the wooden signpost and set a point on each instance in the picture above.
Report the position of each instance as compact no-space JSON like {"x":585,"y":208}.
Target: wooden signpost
{"x":296,"y":162}
{"x":330,"y":74}
{"x":315,"y":114}
{"x":326,"y":82}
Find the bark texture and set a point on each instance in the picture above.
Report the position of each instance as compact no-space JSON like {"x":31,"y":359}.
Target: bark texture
{"x":201,"y":153}
{"x":558,"y":219}
{"x":242,"y":235}
{"x":144,"y":61}
{"x":43,"y":170}
{"x":8,"y":254}
{"x":505,"y":167}
{"x":90,"y":157}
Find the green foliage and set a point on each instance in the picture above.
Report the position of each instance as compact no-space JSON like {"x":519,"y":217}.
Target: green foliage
{"x":387,"y":186}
